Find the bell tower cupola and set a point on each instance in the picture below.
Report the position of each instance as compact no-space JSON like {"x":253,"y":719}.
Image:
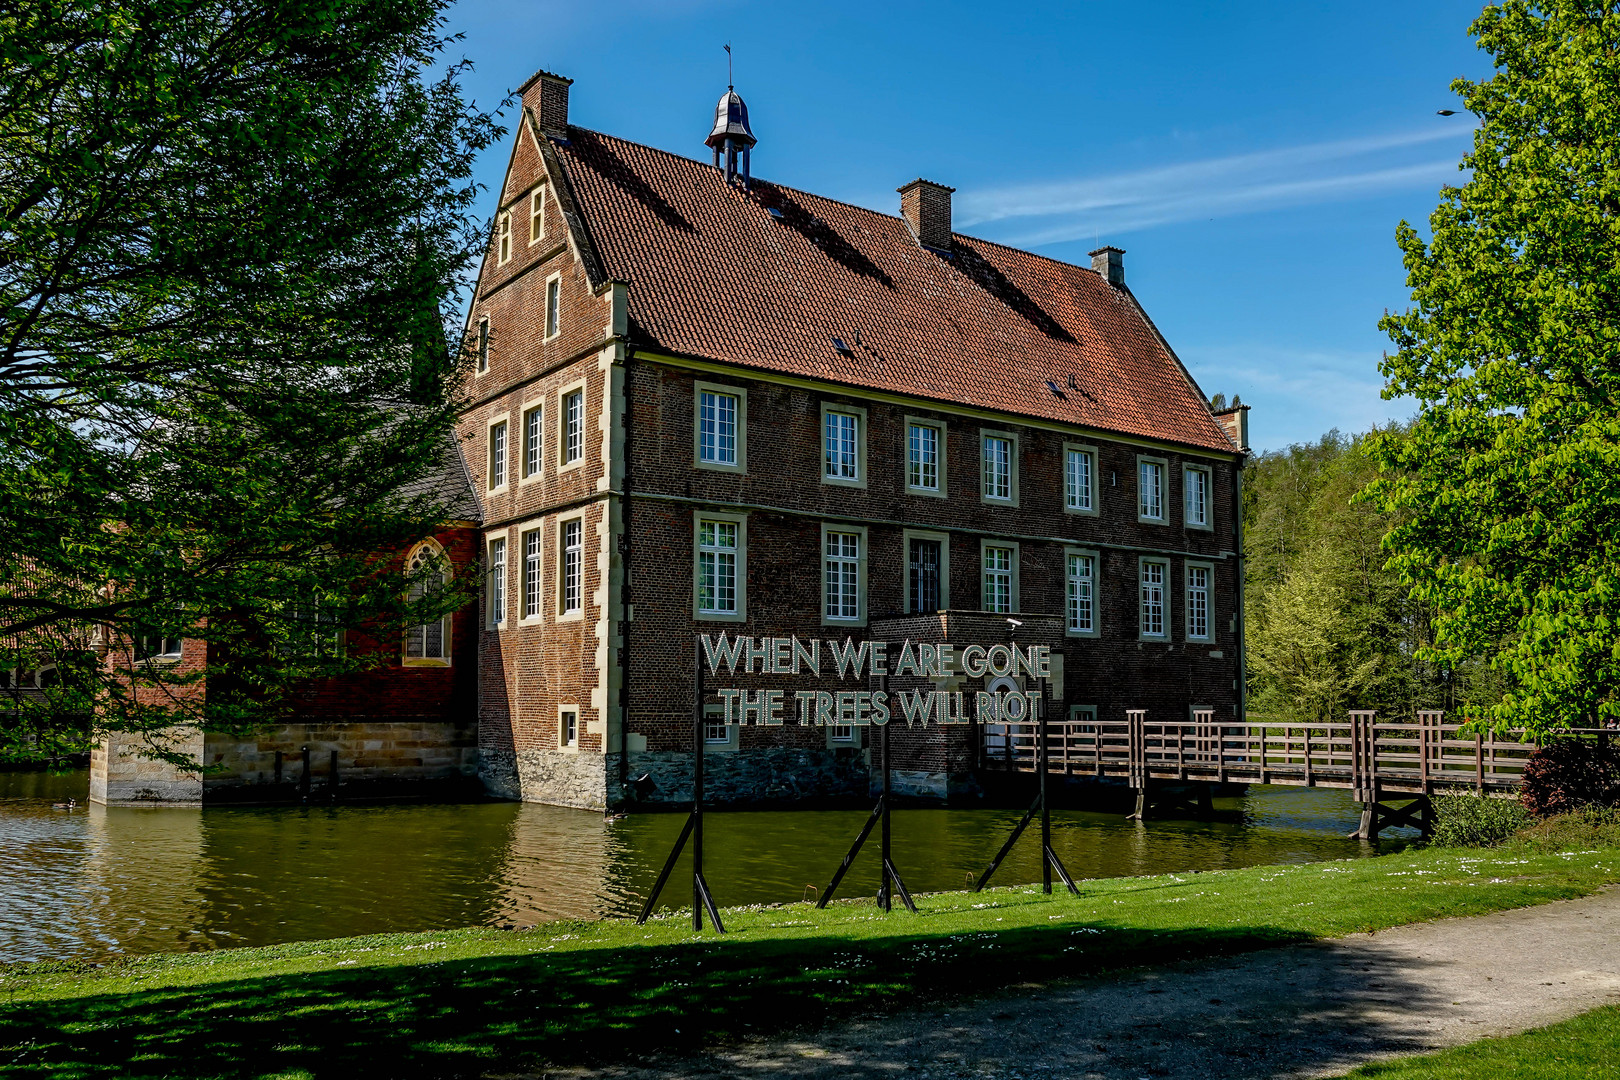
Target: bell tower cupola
{"x":731,"y":137}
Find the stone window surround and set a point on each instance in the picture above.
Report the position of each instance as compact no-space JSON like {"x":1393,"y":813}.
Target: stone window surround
{"x":546,"y":332}
{"x":1012,"y":466}
{"x":1096,"y":487}
{"x":534,"y":525}
{"x":493,"y":421}
{"x":859,"y":412}
{"x":741,"y":394}
{"x":537,"y":213}
{"x":503,"y":238}
{"x":579,"y":728}
{"x":577,"y":614}
{"x":1209,"y":600}
{"x":985,"y":542}
{"x":1141,"y":562}
{"x":861,"y":564}
{"x":448,"y":621}
{"x":526,"y":477}
{"x":741,"y":521}
{"x":1209,"y":493}
{"x":1096,"y":593}
{"x":1164,"y":491}
{"x":496,"y":620}
{"x":940,"y":427}
{"x":561,"y":414}
{"x":482,"y":342}
{"x":732,"y":742}
{"x":944,"y":538}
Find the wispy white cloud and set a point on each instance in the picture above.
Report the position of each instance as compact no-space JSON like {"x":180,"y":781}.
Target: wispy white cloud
{"x":1214,"y":187}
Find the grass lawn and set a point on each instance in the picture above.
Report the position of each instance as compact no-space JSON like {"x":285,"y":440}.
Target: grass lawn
{"x":468,"y":1002}
{"x":1585,"y":1048}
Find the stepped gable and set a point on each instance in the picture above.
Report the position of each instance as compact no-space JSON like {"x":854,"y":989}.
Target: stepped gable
{"x":714,"y":274}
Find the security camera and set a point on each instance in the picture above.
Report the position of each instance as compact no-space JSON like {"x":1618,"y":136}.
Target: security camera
{"x":1014,"y":623}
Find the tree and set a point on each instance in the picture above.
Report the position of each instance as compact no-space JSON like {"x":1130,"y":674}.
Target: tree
{"x":231,"y":235}
{"x":1507,"y":485}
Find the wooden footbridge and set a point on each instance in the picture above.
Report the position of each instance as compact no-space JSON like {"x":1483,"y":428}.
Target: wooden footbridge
{"x":1175,"y":765}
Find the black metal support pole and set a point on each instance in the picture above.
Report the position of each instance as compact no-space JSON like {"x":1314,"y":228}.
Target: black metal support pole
{"x":701,"y":899}
{"x":884,"y":885}
{"x":1046,"y":813}
{"x":663,"y":875}
{"x":1023,"y":824}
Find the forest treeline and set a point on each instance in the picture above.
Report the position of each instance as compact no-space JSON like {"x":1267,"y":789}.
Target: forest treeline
{"x":1329,"y":627}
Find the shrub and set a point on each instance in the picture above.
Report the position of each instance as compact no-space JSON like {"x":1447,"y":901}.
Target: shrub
{"x":1580,"y":830}
{"x":1475,"y":821}
{"x":1567,"y":774}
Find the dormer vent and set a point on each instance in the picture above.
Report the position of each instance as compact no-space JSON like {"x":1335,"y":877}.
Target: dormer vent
{"x":732,"y":138}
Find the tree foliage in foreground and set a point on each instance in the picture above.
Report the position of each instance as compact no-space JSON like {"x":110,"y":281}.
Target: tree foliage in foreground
{"x":230,"y":237}
{"x":1507,"y":486}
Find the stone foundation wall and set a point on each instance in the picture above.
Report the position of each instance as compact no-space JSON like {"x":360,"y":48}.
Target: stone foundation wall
{"x":767,"y":775}
{"x":376,"y":750}
{"x":555,"y":777}
{"x":120,"y":775}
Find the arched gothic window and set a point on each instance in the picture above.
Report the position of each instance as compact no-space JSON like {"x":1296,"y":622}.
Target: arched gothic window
{"x":430,"y":641}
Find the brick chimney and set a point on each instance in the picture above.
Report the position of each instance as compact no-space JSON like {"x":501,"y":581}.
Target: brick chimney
{"x":1109,"y":262}
{"x":547,"y":95}
{"x":926,"y":206}
{"x":1234,"y":420}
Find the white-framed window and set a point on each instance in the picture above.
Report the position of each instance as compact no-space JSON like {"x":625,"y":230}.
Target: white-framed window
{"x":537,"y":214}
{"x":571,"y":540}
{"x":497,"y":455}
{"x":998,"y":468}
{"x":843,"y":445}
{"x":1079,"y":479}
{"x":497,"y":582}
{"x":573,"y":427}
{"x":503,"y":229}
{"x":928,"y":571}
{"x":1154,"y":615}
{"x":1150,"y":491}
{"x":534,"y":439}
{"x":568,"y":726}
{"x":1195,"y":483}
{"x":841,"y":735}
{"x":156,"y":647}
{"x":553,"y":306}
{"x":717,"y":734}
{"x":925,"y":457}
{"x":721,"y":419}
{"x":531,"y":573}
{"x":719,"y":570}
{"x":1080,"y":593}
{"x":427,"y":571}
{"x":1200,"y":577}
{"x":843,"y":574}
{"x":483,"y":345}
{"x":998,"y":563}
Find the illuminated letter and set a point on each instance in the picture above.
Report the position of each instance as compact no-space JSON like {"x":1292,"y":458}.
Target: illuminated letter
{"x":804,"y":698}
{"x":718,"y":652}
{"x":973,"y":660}
{"x":880,"y":708}
{"x":907,"y":664}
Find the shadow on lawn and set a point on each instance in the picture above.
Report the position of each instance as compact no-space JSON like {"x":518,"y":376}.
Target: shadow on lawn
{"x":466,"y":1018}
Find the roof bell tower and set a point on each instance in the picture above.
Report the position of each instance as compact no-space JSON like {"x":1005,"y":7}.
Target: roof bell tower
{"x":731,"y":135}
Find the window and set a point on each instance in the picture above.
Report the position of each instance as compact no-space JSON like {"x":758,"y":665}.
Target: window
{"x":998,"y":453}
{"x":841,"y":734}
{"x":1149,"y":489}
{"x":841,"y":577}
{"x":533,"y":440}
{"x":999,"y":595}
{"x":1079,"y":480}
{"x":531,"y":574}
{"x":150,"y":647}
{"x":1195,"y":482}
{"x":1198,"y":578}
{"x":717,"y":567}
{"x":1081,"y":592}
{"x":923,"y":452}
{"x":537,"y":215}
{"x":426,"y":572}
{"x":497,"y":581}
{"x":716,"y":732}
{"x":573,"y":427}
{"x":504,"y":229}
{"x":568,"y":726}
{"x":840,"y":446}
{"x":924,"y":591}
{"x":483,"y":345}
{"x":717,"y":428}
{"x":553,"y":307}
{"x":1152,"y":620}
{"x":572,"y":552}
{"x":497,"y":455}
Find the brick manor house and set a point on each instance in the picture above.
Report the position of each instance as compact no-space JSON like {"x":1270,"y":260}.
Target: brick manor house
{"x":705,"y":402}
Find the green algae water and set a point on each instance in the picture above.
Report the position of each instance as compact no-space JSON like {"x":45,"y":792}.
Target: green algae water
{"x":97,"y":882}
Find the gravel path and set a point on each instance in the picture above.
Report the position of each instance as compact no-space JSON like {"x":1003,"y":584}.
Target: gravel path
{"x":1303,"y":1011}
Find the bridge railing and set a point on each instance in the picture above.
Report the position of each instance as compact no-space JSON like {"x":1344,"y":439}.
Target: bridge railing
{"x":1424,"y":754}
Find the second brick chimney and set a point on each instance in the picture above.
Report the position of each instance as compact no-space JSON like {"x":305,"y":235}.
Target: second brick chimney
{"x":547,"y":95}
{"x":1110,"y":263}
{"x":926,"y":206}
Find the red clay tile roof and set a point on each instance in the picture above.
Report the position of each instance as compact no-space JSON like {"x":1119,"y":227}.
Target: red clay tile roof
{"x":714,"y":275}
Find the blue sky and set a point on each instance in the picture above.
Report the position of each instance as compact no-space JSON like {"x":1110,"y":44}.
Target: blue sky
{"x":1253,"y":159}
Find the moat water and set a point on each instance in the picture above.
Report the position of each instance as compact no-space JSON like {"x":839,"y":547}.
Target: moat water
{"x":96,"y":882}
